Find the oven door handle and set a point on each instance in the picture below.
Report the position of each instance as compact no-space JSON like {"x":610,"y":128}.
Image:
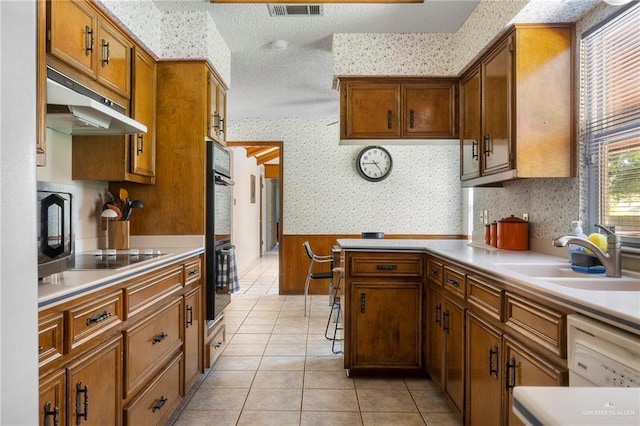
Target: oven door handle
{"x":221,"y":180}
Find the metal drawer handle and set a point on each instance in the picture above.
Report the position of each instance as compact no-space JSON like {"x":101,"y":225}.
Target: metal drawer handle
{"x":217,"y":345}
{"x":389,"y":119}
{"x":474,"y":149}
{"x":48,"y":412}
{"x":189,"y":315}
{"x":40,"y":349}
{"x":193,"y":271}
{"x":98,"y":317}
{"x":510,"y":374}
{"x":435,"y":272}
{"x":493,"y":371}
{"x":105,"y":53}
{"x":139,"y":144}
{"x":387,"y":267}
{"x":159,"y":338}
{"x":411,"y":119}
{"x":88,"y":40}
{"x":159,"y":404}
{"x":453,"y":282}
{"x":445,"y":322}
{"x":439,"y":314}
{"x":82,"y":402}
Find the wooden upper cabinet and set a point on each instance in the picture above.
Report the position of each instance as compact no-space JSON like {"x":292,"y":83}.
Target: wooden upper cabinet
{"x":143,"y":146}
{"x":371,"y":110}
{"x":79,"y":37}
{"x":221,"y":128}
{"x":398,"y":108}
{"x":526,"y":110}
{"x":216,"y":108}
{"x":429,"y":110}
{"x":114,"y":58}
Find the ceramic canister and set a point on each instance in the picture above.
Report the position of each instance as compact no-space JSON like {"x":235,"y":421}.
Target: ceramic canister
{"x":513,"y":234}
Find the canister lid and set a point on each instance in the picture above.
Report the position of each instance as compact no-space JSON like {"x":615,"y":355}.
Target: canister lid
{"x":512,"y":219}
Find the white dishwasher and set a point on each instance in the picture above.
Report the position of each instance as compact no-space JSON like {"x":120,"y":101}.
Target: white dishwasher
{"x":604,"y":380}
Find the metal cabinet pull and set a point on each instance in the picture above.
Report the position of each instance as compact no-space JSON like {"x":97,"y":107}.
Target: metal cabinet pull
{"x":88,"y":40}
{"x":82,"y":403}
{"x":217,"y":345}
{"x":221,"y":124}
{"x":439,"y":314}
{"x":139,"y":144}
{"x":474,"y":149}
{"x":105,"y":53}
{"x":453,"y":282}
{"x":193,"y":271}
{"x":445,"y":322}
{"x":488,"y":145}
{"x":189,"y":315}
{"x":159,"y":404}
{"x":411,"y":119}
{"x":435,"y":272}
{"x":510,"y":374}
{"x":363,"y":301}
{"x":389,"y":119}
{"x":493,"y":353}
{"x":98,"y":317}
{"x":159,"y":338}
{"x":40,"y":349}
{"x":48,"y":413}
{"x":387,"y":267}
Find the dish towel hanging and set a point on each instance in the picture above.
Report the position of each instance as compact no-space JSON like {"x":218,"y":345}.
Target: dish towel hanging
{"x":227,"y":270}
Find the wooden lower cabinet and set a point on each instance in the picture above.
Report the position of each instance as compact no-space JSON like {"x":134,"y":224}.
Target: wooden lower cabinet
{"x":53,"y":398}
{"x":453,"y":330}
{"x":434,"y":351}
{"x":94,"y":386}
{"x":192,"y":337}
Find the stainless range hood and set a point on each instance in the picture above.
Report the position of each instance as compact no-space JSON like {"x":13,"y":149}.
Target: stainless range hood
{"x":77,"y":110}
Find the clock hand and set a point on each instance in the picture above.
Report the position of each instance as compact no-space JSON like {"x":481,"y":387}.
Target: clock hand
{"x":376,"y":164}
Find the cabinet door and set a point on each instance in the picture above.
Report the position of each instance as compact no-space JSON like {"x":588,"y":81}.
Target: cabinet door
{"x":526,"y":368}
{"x":429,"y":110}
{"x":72,"y":34}
{"x":143,"y":147}
{"x":114,"y":56}
{"x":386,"y":324}
{"x":497,"y":108}
{"x":372,"y":111}
{"x":221,"y":128}
{"x":192,"y":338}
{"x":453,"y":327}
{"x":435,"y":339}
{"x":52,"y":406}
{"x":470,"y":131}
{"x":483,"y":402}
{"x":94,"y":382}
{"x":212,"y":106}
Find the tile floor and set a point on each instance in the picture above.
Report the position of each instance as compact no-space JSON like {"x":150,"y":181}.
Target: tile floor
{"x":278,"y":369}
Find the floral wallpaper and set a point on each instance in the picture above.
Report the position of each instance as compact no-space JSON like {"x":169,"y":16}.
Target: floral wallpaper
{"x":323,"y":192}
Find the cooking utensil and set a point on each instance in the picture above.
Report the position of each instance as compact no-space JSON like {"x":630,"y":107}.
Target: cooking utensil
{"x":115,"y":209}
{"x":124,"y":194}
{"x":135,"y":204}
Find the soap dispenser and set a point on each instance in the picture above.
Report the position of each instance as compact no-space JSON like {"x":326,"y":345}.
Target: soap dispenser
{"x":577,"y":232}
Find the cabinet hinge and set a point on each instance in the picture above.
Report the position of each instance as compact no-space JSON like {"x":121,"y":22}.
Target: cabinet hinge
{"x":345,"y":92}
{"x":48,"y":35}
{"x":511,"y":48}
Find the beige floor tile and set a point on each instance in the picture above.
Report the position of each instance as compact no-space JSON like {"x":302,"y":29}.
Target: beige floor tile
{"x":424,"y":383}
{"x":323,"y":418}
{"x":321,"y":349}
{"x":392,"y":419}
{"x":269,"y":418}
{"x":327,"y":380}
{"x":263,"y":314}
{"x":392,"y":401}
{"x":255,"y":329}
{"x":220,"y":399}
{"x":292,"y":322}
{"x":221,"y":379}
{"x":329,"y":400}
{"x":296,"y":329}
{"x":441,"y":419}
{"x":380,"y":383}
{"x":250,"y":338}
{"x":430,"y":401}
{"x":283,"y":350}
{"x":267,"y":379}
{"x":259,"y":320}
{"x":274,"y":400}
{"x":237,"y":363}
{"x":240,"y":349}
{"x":316,"y":363}
{"x":207,"y":418}
{"x":288,"y":339}
{"x":268,"y":306}
{"x":295,"y":312}
{"x":282,"y":363}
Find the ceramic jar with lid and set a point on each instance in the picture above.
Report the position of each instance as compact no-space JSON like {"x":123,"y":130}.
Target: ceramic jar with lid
{"x":513,"y":234}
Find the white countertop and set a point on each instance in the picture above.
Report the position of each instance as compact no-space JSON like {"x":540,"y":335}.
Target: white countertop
{"x":561,"y":405}
{"x":60,"y":287}
{"x":620,"y":308}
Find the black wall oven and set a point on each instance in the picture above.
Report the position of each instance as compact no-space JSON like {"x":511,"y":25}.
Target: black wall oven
{"x":218,"y":229}
{"x":55,"y":233}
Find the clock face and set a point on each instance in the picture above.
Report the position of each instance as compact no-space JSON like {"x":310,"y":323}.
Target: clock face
{"x":374,"y":163}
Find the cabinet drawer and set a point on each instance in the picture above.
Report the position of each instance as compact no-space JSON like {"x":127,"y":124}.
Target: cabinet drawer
{"x":157,"y":402}
{"x":484,"y":296}
{"x":50,"y":338}
{"x":150,"y":289}
{"x":89,"y":319}
{"x":216,"y":344}
{"x":536,"y":322}
{"x":454,"y":281}
{"x":435,"y":271}
{"x":192,"y":272}
{"x":149,"y":343}
{"x":406,"y":265}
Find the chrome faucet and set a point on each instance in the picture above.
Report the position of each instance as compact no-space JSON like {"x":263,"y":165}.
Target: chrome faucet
{"x":611,"y":260}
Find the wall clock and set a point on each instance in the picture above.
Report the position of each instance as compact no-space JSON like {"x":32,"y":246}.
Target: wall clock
{"x":374,"y":163}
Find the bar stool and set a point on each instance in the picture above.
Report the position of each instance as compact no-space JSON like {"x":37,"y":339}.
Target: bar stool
{"x":325,"y":275}
{"x":335,"y":305}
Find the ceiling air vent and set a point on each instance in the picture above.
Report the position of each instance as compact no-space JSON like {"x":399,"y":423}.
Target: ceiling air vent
{"x":277,"y":10}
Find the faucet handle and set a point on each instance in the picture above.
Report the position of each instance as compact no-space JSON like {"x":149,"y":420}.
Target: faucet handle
{"x":611,"y":236}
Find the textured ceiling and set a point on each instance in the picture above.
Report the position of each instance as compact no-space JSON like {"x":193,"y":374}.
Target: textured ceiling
{"x":297,"y":81}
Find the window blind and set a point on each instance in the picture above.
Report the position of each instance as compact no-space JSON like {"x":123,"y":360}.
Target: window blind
{"x":611,"y":131}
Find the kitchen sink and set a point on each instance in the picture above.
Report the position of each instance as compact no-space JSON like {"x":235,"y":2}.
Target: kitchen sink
{"x":600,"y":283}
{"x":556,"y":270}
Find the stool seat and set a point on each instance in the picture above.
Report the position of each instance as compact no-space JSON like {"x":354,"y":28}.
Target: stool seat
{"x":321,"y":275}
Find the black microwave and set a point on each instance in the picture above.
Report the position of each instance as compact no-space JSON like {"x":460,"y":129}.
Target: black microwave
{"x":55,"y":228}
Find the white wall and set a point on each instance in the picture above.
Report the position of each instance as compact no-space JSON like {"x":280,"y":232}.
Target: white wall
{"x":246,"y":215}
{"x":18,"y":272}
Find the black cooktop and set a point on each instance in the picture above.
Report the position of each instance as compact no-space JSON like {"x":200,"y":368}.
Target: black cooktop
{"x":90,"y":261}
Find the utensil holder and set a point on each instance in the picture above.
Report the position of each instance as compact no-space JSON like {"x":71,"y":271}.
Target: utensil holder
{"x":119,"y":234}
